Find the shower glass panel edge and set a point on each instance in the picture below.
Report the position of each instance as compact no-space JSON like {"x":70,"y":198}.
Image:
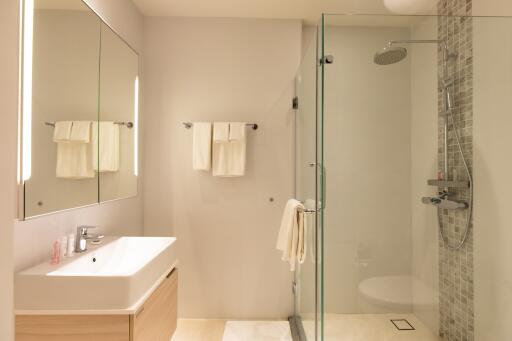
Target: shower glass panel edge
{"x":306,"y":286}
{"x":320,"y":178}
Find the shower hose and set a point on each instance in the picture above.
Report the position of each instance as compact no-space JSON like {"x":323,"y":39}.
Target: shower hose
{"x":445,"y":239}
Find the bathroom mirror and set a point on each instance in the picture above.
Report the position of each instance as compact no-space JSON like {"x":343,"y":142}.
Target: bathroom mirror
{"x":118,"y":104}
{"x":79,"y":116}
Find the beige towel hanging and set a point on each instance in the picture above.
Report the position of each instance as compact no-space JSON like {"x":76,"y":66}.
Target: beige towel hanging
{"x":105,"y":156}
{"x":291,"y":234}
{"x":202,"y":146}
{"x":229,"y":157}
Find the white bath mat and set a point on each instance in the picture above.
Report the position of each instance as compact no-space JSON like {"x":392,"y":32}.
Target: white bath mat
{"x":257,"y":331}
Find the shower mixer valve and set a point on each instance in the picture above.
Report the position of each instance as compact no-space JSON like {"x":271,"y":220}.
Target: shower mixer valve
{"x":443,"y":202}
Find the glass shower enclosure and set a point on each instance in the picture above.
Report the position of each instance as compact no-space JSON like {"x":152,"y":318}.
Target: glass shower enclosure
{"x":401,"y":149}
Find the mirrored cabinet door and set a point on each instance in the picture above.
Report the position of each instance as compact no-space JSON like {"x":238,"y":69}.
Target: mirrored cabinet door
{"x":118,"y":140}
{"x":79,"y":142}
{"x":65,"y":74}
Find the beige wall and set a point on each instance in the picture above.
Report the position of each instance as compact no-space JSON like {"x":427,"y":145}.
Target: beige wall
{"x":492,"y":7}
{"x":215,"y":70}
{"x":8,"y":107}
{"x":492,"y":63}
{"x":424,"y":143}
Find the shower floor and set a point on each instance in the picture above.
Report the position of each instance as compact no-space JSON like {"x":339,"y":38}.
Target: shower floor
{"x":364,"y":327}
{"x":339,"y":327}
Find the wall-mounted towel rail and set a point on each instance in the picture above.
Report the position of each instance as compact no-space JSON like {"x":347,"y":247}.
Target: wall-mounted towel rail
{"x":129,"y":125}
{"x":309,"y":210}
{"x":189,"y":125}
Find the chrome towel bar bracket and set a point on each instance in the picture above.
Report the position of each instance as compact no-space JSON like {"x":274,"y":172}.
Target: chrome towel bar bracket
{"x":189,"y":125}
{"x":129,"y":125}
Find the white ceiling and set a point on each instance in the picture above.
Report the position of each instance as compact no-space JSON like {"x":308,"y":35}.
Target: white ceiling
{"x":307,"y":10}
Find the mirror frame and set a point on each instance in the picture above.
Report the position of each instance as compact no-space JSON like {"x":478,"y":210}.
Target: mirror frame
{"x":26,"y":39}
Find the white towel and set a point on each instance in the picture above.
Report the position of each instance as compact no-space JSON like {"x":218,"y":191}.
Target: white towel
{"x":81,"y":131}
{"x":291,"y":233}
{"x":202,"y":146}
{"x":236,"y":131}
{"x":74,"y":160}
{"x":107,"y":153}
{"x":220,"y":132}
{"x":228,"y":158}
{"x":62,"y":131}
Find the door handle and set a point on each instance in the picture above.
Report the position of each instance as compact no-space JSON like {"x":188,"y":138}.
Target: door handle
{"x":323,"y":175}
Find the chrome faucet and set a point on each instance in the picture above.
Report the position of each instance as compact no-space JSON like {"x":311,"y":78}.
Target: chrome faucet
{"x":82,"y":235}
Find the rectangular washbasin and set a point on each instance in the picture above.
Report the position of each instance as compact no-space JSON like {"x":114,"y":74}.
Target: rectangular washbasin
{"x":114,"y":275}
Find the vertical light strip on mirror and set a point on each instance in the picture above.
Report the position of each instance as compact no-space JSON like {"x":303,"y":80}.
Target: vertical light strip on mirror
{"x":136,"y":128}
{"x":28,"y":35}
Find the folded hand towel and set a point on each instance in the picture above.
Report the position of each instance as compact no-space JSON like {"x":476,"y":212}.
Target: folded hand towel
{"x":228,"y":158}
{"x":220,"y":132}
{"x":105,"y":156}
{"x":81,"y":131}
{"x":74,"y":160}
{"x":292,"y":223}
{"x":62,"y":131}
{"x":236,"y":131}
{"x":202,"y":146}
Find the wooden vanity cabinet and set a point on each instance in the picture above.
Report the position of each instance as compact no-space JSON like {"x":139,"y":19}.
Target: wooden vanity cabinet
{"x":155,"y":320}
{"x":160,"y":309}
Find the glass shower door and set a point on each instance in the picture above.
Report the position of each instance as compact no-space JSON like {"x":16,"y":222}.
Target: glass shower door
{"x":307,"y":288}
{"x":384,"y":269}
{"x":364,"y":180}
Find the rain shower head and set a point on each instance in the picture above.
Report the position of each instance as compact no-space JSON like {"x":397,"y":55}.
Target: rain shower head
{"x":390,"y":55}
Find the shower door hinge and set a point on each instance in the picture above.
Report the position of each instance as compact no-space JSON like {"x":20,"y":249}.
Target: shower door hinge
{"x":295,"y":102}
{"x":327,"y":60}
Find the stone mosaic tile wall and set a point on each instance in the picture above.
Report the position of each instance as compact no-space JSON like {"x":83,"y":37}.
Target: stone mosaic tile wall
{"x":456,"y":267}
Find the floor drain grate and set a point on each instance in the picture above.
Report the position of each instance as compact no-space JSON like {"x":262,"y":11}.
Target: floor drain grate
{"x":402,"y":324}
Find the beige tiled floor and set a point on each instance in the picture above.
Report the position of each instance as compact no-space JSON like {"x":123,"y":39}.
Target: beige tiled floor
{"x":199,"y":330}
{"x":343,"y":327}
{"x":374,"y":327}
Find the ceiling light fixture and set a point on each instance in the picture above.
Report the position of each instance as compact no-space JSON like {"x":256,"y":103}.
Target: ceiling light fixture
{"x":411,"y":6}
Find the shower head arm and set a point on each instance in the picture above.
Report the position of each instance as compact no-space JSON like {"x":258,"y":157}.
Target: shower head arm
{"x":418,"y":41}
{"x":446,"y":53}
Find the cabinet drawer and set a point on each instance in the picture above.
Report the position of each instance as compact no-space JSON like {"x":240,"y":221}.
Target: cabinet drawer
{"x":156,"y":320}
{"x":72,"y":327}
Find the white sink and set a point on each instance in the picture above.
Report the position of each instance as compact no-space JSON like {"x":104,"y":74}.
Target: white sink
{"x":115,"y":275}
